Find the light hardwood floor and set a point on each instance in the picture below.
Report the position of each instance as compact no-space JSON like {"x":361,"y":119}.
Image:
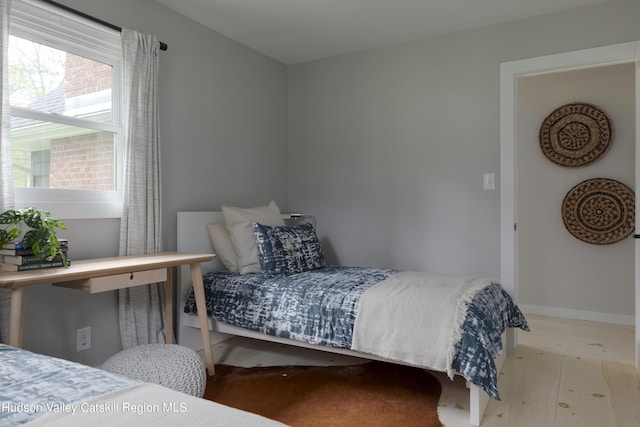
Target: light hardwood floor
{"x":563,"y":373}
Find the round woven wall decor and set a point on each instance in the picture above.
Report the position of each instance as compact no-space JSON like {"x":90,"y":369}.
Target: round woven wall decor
{"x":575,"y":135}
{"x":599,"y":211}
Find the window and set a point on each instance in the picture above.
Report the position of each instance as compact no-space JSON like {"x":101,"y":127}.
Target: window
{"x":66,"y":129}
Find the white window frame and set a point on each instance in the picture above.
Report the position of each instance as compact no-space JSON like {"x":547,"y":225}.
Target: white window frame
{"x":48,"y":25}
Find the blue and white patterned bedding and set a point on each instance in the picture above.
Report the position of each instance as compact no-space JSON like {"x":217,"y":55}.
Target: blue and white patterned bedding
{"x":320,"y":307}
{"x":33,"y":384}
{"x":490,"y":312}
{"x":316,"y":306}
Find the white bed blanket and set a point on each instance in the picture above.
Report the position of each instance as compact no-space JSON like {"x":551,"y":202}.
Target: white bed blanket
{"x":148,"y":405}
{"x":423,"y":325}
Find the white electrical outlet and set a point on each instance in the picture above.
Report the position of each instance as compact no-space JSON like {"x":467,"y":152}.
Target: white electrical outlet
{"x":83,"y":338}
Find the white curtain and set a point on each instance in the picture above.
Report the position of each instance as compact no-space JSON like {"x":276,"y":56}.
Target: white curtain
{"x":142,"y":307}
{"x":6,"y":169}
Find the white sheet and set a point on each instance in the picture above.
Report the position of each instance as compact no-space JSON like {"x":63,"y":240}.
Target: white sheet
{"x":148,"y":405}
{"x":397,"y":331}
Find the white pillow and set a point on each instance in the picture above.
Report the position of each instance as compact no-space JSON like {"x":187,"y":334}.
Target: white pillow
{"x":222,"y":244}
{"x":240,"y":224}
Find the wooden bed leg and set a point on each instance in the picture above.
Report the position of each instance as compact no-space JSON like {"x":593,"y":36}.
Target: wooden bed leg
{"x":478,"y":401}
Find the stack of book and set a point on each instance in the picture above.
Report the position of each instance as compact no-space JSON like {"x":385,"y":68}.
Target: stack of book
{"x":15,"y":257}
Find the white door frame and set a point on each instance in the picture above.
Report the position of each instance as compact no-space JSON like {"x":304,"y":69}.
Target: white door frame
{"x":510,"y":72}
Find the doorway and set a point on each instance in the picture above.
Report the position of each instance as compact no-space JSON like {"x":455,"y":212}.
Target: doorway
{"x":558,"y":274}
{"x":511,"y":75}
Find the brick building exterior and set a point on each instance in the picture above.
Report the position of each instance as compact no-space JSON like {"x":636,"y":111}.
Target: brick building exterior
{"x":85,"y":161}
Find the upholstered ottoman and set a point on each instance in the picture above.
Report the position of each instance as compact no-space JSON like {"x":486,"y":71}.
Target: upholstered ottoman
{"x":170,"y":365}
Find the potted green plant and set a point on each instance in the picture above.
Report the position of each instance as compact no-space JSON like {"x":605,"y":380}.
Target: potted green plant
{"x":41,"y":236}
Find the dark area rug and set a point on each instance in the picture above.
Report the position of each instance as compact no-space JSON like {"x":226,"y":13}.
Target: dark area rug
{"x":371,"y":394}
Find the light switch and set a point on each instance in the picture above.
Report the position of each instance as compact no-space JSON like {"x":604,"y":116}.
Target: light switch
{"x":489,"y":181}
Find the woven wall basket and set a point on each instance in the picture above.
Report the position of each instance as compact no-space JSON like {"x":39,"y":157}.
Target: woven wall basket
{"x":575,"y":135}
{"x":599,"y":211}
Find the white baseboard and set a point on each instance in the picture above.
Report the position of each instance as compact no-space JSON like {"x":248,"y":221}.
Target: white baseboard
{"x":569,"y":313}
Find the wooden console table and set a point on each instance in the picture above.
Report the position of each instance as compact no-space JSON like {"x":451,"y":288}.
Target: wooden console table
{"x":107,"y":274}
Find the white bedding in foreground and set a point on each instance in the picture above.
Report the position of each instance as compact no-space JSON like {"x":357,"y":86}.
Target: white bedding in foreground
{"x":148,"y":405}
{"x":390,"y":330}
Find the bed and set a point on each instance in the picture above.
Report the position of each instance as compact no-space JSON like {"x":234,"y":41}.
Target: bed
{"x":467,"y":339}
{"x":38,"y":390}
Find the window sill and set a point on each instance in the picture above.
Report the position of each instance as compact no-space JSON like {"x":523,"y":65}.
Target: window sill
{"x":71,"y":204}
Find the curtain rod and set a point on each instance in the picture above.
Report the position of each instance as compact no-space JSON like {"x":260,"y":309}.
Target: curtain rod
{"x":163,"y":45}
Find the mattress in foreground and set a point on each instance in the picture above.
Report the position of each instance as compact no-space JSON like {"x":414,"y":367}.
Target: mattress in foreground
{"x":38,"y":390}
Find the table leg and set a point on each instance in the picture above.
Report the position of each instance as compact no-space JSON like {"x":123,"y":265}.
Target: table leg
{"x":16,"y":317}
{"x":168,"y":304}
{"x":201,"y":304}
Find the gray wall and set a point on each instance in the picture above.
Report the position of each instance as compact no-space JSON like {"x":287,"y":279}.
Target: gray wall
{"x":387,"y":147}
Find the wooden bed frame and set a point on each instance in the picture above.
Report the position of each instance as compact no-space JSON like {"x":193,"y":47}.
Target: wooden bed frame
{"x":193,"y":237}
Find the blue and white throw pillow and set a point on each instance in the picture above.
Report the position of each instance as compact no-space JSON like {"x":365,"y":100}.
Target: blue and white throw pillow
{"x":288,"y":250}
